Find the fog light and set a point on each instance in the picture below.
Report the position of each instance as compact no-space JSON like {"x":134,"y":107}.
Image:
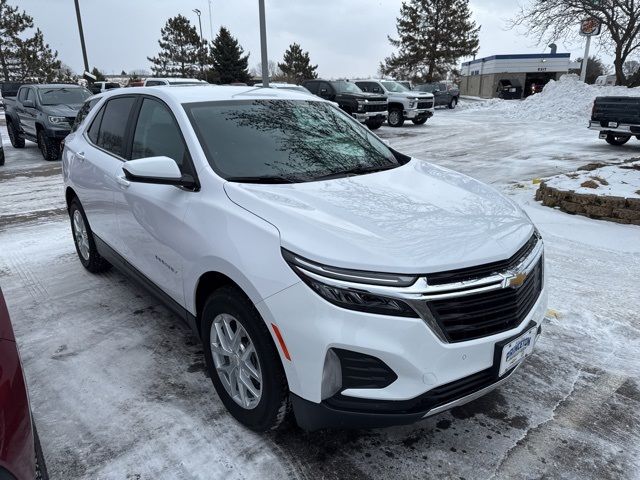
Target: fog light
{"x":331,"y":375}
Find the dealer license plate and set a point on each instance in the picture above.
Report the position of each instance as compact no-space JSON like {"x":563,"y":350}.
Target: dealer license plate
{"x":512,"y":90}
{"x":516,"y":350}
{"x":613,"y":124}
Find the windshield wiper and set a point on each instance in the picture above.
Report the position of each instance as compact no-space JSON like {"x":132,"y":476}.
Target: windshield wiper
{"x":272,"y":179}
{"x":356,"y":171}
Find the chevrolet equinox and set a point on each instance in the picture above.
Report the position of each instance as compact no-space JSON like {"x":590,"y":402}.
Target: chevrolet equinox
{"x":322,"y":270}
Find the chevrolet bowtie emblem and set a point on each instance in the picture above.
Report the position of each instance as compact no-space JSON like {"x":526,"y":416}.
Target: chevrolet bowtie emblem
{"x":518,"y":280}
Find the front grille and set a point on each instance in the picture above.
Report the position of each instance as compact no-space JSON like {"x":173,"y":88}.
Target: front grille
{"x":376,"y":107}
{"x":71,"y":119}
{"x":425,"y":104}
{"x":483,"y":314}
{"x":433,"y":398}
{"x":486,"y":270}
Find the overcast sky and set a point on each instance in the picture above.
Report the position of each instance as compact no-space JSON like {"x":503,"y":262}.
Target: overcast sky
{"x":346,"y":38}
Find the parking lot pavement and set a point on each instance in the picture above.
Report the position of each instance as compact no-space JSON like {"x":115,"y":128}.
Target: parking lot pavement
{"x":119,"y":391}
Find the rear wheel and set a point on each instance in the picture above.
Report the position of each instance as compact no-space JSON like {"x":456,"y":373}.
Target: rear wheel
{"x":49,"y":147}
{"x":243,"y":362}
{"x":1,"y":156}
{"x":14,"y":136}
{"x":396,"y":117}
{"x":83,"y":239}
{"x":453,"y":103}
{"x":614,"y":139}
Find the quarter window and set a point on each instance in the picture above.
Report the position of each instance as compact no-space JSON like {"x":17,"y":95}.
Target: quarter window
{"x":158,"y":134}
{"x":113,"y":125}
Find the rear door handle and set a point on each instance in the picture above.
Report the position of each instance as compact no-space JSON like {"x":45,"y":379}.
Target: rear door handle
{"x":80,"y":156}
{"x":123,"y":182}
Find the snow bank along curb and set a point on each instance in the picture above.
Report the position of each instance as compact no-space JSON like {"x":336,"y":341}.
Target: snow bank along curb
{"x":567,"y":192}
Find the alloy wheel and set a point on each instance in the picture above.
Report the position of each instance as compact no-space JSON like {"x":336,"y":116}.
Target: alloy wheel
{"x":236,"y":361}
{"x":80,"y":235}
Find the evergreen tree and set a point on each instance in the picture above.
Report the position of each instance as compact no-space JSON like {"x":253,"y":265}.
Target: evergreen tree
{"x":98,"y":74}
{"x":12,"y":24}
{"x":595,"y":68}
{"x":36,"y":61}
{"x":227,"y":58}
{"x":296,"y":65}
{"x":432,"y":36}
{"x":179,"y":49}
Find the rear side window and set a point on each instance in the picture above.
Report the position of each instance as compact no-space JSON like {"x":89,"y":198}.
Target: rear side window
{"x":158,"y":134}
{"x":312,"y":87}
{"x":113,"y":125}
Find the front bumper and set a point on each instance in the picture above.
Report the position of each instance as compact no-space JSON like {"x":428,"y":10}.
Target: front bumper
{"x":615,"y":127}
{"x":363,"y":117}
{"x":57,"y":133}
{"x":419,"y":113}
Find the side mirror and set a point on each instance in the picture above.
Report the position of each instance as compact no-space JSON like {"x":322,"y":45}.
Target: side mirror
{"x":157,"y":170}
{"x":28,"y":104}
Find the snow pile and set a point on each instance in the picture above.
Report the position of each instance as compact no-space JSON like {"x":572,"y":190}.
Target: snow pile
{"x":567,"y":99}
{"x":615,"y":180}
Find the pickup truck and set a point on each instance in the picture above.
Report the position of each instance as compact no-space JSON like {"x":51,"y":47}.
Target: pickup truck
{"x":404,"y":104}
{"x":446,"y":94}
{"x":616,"y":118}
{"x":43,"y":114}
{"x":367,"y":108}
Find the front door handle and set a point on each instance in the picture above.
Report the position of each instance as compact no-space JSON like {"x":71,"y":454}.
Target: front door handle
{"x":123,"y":182}
{"x":80,"y":156}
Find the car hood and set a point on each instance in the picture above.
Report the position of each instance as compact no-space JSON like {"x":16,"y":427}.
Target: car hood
{"x":418,"y":218}
{"x":413,"y":93}
{"x":62,"y":110}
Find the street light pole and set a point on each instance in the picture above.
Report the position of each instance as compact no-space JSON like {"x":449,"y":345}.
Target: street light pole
{"x":210,"y":22}
{"x":198,"y":12}
{"x":84,"y":48}
{"x":263,"y":45}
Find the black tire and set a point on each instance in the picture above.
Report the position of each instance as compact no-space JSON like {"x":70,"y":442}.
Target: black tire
{"x":453,"y":103}
{"x":396,"y":117}
{"x":41,"y":466}
{"x":374,"y":124}
{"x":14,"y":136}
{"x":92,"y":261}
{"x":617,"y":140}
{"x":49,"y":147}
{"x":273,"y":404}
{"x":420,"y":121}
{"x":1,"y":156}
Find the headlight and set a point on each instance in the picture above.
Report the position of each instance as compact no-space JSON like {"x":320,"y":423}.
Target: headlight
{"x":348,"y":288}
{"x":58,"y":120}
{"x":412,"y":104}
{"x":361,"y":104}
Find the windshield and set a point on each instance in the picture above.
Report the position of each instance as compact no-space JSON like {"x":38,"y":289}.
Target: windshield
{"x":427,"y":87}
{"x":63,"y":96}
{"x":343,"y":86}
{"x":395,"y":87}
{"x":280,"y":141}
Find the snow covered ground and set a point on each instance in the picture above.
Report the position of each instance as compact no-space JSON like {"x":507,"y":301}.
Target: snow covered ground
{"x":118,"y":385}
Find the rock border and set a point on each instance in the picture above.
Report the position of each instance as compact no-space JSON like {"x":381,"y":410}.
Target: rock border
{"x":613,"y":209}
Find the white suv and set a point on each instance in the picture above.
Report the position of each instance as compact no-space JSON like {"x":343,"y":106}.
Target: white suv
{"x":404,"y":104}
{"x":321,"y":268}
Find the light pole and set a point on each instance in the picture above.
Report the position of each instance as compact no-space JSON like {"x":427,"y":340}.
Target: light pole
{"x":210,"y":22}
{"x":263,"y":44}
{"x":198,"y":12}
{"x":84,"y":48}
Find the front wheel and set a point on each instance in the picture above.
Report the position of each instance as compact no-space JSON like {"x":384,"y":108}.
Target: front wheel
{"x":420,"y":121}
{"x":396,"y":118}
{"x":83,"y":239}
{"x":49,"y":147}
{"x":243,"y":362}
{"x":374,"y":124}
{"x":617,"y":140}
{"x":453,"y":103}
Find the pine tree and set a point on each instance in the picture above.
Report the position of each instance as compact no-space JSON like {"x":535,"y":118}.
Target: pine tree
{"x":432,"y":36}
{"x":36,"y":61}
{"x":98,"y":74}
{"x":179,"y":49}
{"x":296,"y":65}
{"x":227,"y":58}
{"x":12,"y":24}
